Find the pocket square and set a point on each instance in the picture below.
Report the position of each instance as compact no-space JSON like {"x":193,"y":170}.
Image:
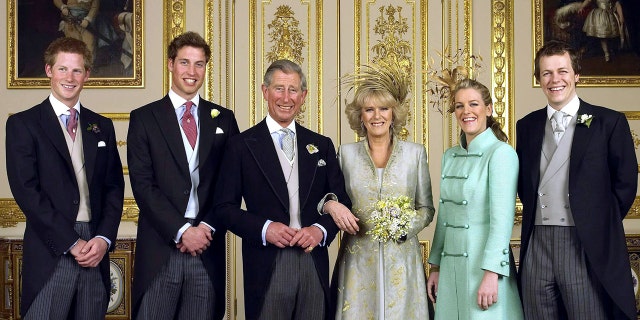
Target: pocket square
{"x":219,"y":131}
{"x":321,"y":163}
{"x":101,"y":144}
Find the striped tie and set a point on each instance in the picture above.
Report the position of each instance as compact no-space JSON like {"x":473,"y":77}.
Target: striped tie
{"x":189,"y":125}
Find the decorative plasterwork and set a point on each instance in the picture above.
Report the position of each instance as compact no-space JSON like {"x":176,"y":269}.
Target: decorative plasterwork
{"x":286,"y":41}
{"x":312,"y":64}
{"x":501,"y":61}
{"x":174,"y":25}
{"x":395,"y":34}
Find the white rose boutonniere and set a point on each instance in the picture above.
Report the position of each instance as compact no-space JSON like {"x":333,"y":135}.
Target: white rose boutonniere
{"x":312,"y":148}
{"x":585,"y":119}
{"x":214,"y":113}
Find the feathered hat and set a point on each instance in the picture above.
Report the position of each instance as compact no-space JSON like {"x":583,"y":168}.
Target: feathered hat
{"x":383,"y":76}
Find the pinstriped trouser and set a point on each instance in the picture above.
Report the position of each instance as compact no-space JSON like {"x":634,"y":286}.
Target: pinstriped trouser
{"x":181,"y":290}
{"x":295,"y":291}
{"x":71,"y":283}
{"x":556,"y":279}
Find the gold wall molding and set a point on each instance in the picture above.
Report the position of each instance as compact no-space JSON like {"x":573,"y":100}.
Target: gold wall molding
{"x":174,"y":25}
{"x":11,"y":215}
{"x":452,"y":23}
{"x":501,"y":62}
{"x":218,"y":30}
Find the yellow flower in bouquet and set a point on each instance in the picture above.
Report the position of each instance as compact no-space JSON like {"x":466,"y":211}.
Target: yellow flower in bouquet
{"x":391,"y":218}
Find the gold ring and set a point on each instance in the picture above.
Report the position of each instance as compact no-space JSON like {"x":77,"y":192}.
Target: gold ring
{"x":310,"y":248}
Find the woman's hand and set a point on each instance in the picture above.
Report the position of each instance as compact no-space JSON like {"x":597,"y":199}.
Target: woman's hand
{"x":342,"y":216}
{"x":488,"y":291}
{"x":432,"y":284}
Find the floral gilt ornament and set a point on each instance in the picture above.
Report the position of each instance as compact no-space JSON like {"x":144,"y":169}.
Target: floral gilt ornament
{"x":585,"y":119}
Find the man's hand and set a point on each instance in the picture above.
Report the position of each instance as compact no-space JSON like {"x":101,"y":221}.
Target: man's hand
{"x":88,"y":254}
{"x":195,"y":240}
{"x":280,"y":235}
{"x":307,"y":238}
{"x":342,"y":216}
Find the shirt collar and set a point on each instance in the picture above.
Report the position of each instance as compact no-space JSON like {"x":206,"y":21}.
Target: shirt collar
{"x":275,"y":126}
{"x":178,"y":101}
{"x":60,"y":108}
{"x":571,"y":108}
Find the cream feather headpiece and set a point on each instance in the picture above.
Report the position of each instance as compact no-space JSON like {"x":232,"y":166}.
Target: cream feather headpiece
{"x":384,"y":76}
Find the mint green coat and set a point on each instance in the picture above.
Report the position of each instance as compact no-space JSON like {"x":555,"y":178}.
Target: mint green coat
{"x":475,"y":221}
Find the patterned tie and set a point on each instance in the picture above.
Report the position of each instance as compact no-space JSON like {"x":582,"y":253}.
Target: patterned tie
{"x":72,"y":123}
{"x":558,"y":130}
{"x":287,"y":143}
{"x":189,"y":125}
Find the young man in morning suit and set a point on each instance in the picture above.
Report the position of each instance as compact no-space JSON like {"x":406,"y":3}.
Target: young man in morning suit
{"x":174,"y":149}
{"x":286,"y":174}
{"x":65,"y":174}
{"x":578,"y":178}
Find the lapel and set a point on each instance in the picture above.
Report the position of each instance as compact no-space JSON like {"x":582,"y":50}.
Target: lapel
{"x":90,"y":141}
{"x":165,"y":115}
{"x":261,"y":147}
{"x":208,"y":127}
{"x":51,"y":126}
{"x":307,"y":163}
{"x":581,"y":138}
{"x":538,"y":122}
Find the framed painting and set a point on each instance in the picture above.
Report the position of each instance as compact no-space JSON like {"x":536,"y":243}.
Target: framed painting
{"x":111,"y":29}
{"x":606,"y":34}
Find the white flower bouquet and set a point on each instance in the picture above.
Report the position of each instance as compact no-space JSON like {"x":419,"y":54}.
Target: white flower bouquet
{"x":391,"y":218}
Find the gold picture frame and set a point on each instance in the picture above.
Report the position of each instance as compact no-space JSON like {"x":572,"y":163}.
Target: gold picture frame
{"x":552,"y":21}
{"x":425,"y":249}
{"x":117,"y":36}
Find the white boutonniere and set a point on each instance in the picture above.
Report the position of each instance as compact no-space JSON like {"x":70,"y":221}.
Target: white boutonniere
{"x":312,"y":148}
{"x":214,"y":113}
{"x":584,"y":119}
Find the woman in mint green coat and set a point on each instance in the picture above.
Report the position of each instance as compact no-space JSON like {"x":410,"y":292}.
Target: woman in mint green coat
{"x":473,"y":275}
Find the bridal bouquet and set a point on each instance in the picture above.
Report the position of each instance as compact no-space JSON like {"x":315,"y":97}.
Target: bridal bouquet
{"x":391,"y":218}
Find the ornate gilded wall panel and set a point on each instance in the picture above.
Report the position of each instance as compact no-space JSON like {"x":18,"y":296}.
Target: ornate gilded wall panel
{"x":174,"y":25}
{"x":501,"y":65}
{"x":292,"y":30}
{"x":397,"y":31}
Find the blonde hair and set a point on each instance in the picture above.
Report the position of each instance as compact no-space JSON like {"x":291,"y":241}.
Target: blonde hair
{"x":486,"y":99}
{"x":388,"y":84}
{"x":363,"y":95}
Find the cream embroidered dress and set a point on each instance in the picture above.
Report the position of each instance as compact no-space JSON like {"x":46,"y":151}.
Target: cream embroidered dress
{"x":475,"y":221}
{"x":359,"y":264}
